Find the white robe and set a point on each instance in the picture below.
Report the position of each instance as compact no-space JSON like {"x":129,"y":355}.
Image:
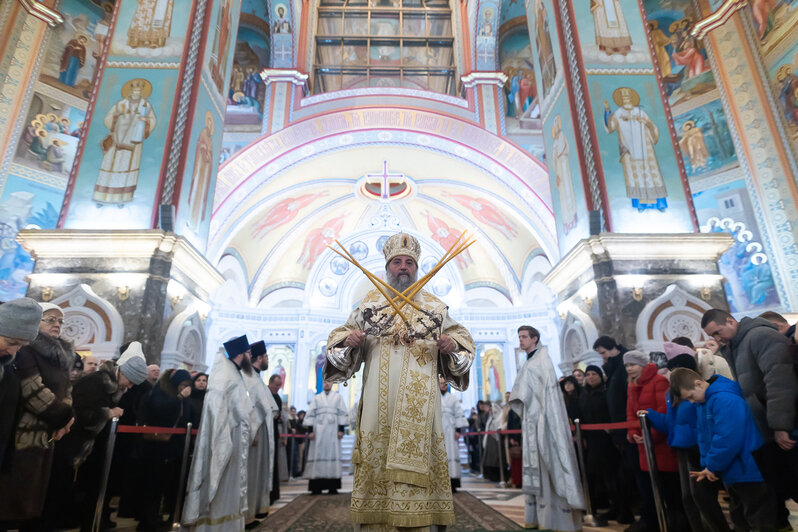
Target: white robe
{"x":325,"y":414}
{"x":554,"y":497}
{"x":453,"y":418}
{"x":261,"y":454}
{"x":216,"y":499}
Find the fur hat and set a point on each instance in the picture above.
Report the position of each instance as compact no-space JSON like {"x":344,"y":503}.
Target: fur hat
{"x":19,"y":319}
{"x":401,"y":244}
{"x":596,"y":369}
{"x":636,"y":357}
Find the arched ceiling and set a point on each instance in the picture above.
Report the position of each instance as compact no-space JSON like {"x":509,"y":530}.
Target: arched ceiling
{"x":290,"y":220}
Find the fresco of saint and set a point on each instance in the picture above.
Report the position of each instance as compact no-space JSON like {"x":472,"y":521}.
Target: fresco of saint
{"x":151,"y":25}
{"x":612,"y":35}
{"x":200,"y":181}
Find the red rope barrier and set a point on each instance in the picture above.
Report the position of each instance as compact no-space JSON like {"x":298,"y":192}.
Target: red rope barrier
{"x":595,"y":426}
{"x":143,"y":429}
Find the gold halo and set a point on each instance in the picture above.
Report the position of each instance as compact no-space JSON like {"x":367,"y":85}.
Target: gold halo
{"x":488,"y":11}
{"x":209,"y":123}
{"x":616,"y":96}
{"x":108,"y":7}
{"x":36,"y":124}
{"x":41,"y":118}
{"x":65,"y":119}
{"x":52,"y":117}
{"x":146,"y":87}
{"x":238,"y":96}
{"x":653,"y":24}
{"x":674,"y":26}
{"x":690,"y":123}
{"x":41,"y":132}
{"x":783,"y":72}
{"x":58,"y":142}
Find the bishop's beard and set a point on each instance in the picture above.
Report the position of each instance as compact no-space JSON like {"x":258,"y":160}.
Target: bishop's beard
{"x":246,"y":365}
{"x":400,"y":282}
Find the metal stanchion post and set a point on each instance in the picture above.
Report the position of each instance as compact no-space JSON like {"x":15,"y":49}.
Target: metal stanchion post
{"x":502,"y":483}
{"x":181,"y":481}
{"x":652,"y":471}
{"x":109,"y":456}
{"x":590,"y":519}
{"x":290,"y":443}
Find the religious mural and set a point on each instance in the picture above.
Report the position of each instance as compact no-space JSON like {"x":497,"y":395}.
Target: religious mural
{"x":24,"y":204}
{"x":319,"y":238}
{"x":515,"y":58}
{"x":281,"y":362}
{"x":245,"y":96}
{"x":492,"y":368}
{"x":705,"y":139}
{"x":50,"y":137}
{"x":682,"y":58}
{"x":125,"y":143}
{"x":745,"y":266}
{"x":638,"y":157}
{"x":486,"y":212}
{"x":784,"y":78}
{"x":606,"y":37}
{"x":447,"y":236}
{"x":546,"y":54}
{"x":567,"y":192}
{"x":775,"y":21}
{"x":282,"y":213}
{"x":71,"y":59}
{"x":487,"y":29}
{"x":199,"y":175}
{"x":153,"y":33}
{"x":282,"y":35}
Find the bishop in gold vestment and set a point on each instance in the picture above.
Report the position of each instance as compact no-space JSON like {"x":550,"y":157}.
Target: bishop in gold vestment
{"x":401,"y":467}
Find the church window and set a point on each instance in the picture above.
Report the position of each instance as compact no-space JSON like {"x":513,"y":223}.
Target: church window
{"x":384,"y":43}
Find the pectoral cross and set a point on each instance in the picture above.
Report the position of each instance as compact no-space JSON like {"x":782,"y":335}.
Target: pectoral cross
{"x":385,"y":180}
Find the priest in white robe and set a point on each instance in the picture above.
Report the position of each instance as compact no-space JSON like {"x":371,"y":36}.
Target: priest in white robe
{"x":551,"y":485}
{"x":453,"y":419}
{"x":261,"y":450}
{"x":216,"y":499}
{"x":326,"y":420}
{"x":401,"y":467}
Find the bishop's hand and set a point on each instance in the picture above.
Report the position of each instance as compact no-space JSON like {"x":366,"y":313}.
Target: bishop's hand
{"x":355,"y":339}
{"x":446,"y":345}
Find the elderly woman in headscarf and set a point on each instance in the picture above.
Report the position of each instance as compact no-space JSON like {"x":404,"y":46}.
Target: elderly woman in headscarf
{"x":44,"y":416}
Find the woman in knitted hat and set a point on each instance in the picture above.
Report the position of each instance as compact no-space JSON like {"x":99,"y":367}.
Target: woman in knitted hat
{"x":45,"y":415}
{"x":647,"y":390}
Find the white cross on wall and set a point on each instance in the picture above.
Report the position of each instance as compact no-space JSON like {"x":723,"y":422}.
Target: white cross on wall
{"x":485,"y":55}
{"x":282,"y":52}
{"x":385,"y":180}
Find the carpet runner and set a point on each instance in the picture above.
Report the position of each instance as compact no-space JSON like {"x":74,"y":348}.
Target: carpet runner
{"x":330,"y":513}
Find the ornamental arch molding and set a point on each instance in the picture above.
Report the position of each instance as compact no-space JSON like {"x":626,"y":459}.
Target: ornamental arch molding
{"x":674,"y":313}
{"x":185,"y":343}
{"x":91,"y":322}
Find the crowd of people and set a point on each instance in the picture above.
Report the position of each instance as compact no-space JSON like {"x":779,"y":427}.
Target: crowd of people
{"x":722,"y":413}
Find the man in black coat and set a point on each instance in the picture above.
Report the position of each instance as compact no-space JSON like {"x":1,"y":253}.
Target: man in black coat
{"x":19,"y":325}
{"x":617,"y":382}
{"x":760,"y":358}
{"x":275,"y":383}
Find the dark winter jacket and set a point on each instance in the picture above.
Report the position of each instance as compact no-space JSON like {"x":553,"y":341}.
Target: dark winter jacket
{"x":93,"y":397}
{"x":163,"y":407}
{"x":600,"y":451}
{"x":572,"y":399}
{"x":197,"y":399}
{"x":649,"y":392}
{"x":46,"y":404}
{"x":727,"y":433}
{"x":678,"y":423}
{"x":761,"y":361}
{"x":9,"y":399}
{"x":617,"y":381}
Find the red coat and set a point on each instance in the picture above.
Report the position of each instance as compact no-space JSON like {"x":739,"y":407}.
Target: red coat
{"x":649,"y":392}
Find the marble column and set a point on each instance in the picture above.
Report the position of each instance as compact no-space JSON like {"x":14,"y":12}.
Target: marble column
{"x":640,"y":289}
{"x":145,"y":285}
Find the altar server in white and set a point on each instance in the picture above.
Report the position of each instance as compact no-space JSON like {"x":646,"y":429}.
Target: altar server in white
{"x":217,"y":488}
{"x":326,"y":418}
{"x":261,"y":451}
{"x":453,"y":419}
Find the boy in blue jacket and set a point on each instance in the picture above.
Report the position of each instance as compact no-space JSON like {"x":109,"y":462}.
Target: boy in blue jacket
{"x":727,"y":434}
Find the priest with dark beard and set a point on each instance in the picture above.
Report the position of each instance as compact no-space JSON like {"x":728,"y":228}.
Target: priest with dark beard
{"x":217,"y":488}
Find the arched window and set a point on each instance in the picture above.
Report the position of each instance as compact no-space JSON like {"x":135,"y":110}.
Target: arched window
{"x":384,"y":43}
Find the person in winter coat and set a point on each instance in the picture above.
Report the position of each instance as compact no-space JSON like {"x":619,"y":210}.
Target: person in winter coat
{"x":44,"y":416}
{"x":571,"y":391}
{"x":700,"y":500}
{"x":167,"y":405}
{"x":761,"y":361}
{"x":19,"y":325}
{"x":198,"y":389}
{"x":727,"y":435}
{"x":647,"y":390}
{"x":94,"y":402}
{"x":601,"y":456}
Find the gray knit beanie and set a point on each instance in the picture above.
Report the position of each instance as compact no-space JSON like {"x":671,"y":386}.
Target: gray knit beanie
{"x":636,"y":357}
{"x":132,"y":363}
{"x":20,"y":318}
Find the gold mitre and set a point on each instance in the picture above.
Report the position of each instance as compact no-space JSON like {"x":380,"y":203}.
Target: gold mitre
{"x":401,"y":244}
